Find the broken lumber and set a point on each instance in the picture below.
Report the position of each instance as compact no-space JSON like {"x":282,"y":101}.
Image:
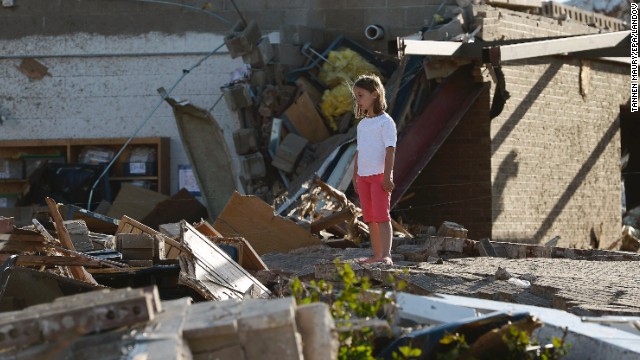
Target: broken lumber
{"x":78,"y":272}
{"x":211,"y":272}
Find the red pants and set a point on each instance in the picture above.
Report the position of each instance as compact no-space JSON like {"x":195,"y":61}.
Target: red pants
{"x":373,"y":199}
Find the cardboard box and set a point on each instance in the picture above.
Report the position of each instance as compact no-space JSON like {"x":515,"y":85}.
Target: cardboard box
{"x":304,"y":116}
{"x":145,"y":168}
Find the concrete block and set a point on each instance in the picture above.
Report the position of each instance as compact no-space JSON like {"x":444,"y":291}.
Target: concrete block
{"x":245,"y":141}
{"x":451,"y":229}
{"x":212,"y":326}
{"x":318,"y":332}
{"x":79,"y":234}
{"x":242,"y":38}
{"x":135,"y":246}
{"x":232,"y":352}
{"x":289,"y":152}
{"x":237,"y":96}
{"x":267,"y":329}
{"x":260,"y":55}
{"x":281,"y":343}
{"x":253,"y":166}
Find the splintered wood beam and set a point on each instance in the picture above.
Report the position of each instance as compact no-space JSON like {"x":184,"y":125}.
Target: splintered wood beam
{"x":78,"y":272}
{"x":331,"y":220}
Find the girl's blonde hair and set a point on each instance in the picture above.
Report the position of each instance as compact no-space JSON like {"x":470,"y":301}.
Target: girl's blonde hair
{"x":371,"y":83}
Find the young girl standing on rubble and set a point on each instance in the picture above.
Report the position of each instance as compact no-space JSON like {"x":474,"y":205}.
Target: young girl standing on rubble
{"x":373,"y":171}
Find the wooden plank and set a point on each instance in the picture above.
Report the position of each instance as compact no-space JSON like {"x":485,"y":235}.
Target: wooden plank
{"x":253,"y":219}
{"x":331,"y":220}
{"x":78,"y":272}
{"x":211,"y":272}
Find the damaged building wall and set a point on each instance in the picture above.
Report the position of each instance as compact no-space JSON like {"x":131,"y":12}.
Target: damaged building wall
{"x":127,"y":49}
{"x":556,"y":153}
{"x":556,"y":144}
{"x":552,"y":156}
{"x":105,"y":86}
{"x":456,"y":184}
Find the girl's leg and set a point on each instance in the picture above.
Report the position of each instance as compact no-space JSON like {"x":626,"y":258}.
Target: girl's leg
{"x":376,"y":244}
{"x":364,"y":192}
{"x":386,"y":236}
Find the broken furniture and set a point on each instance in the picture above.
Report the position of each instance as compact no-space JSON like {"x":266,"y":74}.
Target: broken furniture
{"x":31,"y":155}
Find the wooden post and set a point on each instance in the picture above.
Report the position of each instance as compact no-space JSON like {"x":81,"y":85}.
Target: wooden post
{"x":78,"y":272}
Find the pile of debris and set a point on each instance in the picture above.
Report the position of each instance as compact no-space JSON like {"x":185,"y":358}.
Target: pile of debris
{"x":56,"y":282}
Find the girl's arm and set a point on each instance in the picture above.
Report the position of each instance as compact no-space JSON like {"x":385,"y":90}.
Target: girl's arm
{"x":355,"y":172}
{"x":389,"y":159}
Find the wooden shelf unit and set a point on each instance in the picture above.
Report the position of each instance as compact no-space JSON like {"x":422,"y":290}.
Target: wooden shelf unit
{"x":71,"y":149}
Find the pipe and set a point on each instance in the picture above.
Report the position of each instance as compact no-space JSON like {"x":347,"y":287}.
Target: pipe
{"x":374,"y":32}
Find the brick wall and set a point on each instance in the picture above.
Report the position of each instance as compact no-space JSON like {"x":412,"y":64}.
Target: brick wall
{"x":456,"y":184}
{"x":556,"y":154}
{"x":117,"y":17}
{"x":504,"y":24}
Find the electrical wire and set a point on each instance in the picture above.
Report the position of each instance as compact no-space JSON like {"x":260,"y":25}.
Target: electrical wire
{"x":185,"y":72}
{"x":194,"y":8}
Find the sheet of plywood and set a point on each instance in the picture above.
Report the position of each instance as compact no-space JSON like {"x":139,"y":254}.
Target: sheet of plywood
{"x":208,"y":154}
{"x":253,"y":219}
{"x":135,"y":202}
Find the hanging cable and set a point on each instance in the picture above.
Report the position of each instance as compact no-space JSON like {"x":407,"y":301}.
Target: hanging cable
{"x":185,"y":72}
{"x":194,"y":8}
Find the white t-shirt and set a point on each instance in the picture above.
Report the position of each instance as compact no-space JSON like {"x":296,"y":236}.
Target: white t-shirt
{"x":374,"y":136}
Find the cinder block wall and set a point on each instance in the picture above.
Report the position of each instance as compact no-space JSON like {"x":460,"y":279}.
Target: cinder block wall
{"x":504,"y":24}
{"x":117,"y":17}
{"x":555,"y":152}
{"x":456,"y":184}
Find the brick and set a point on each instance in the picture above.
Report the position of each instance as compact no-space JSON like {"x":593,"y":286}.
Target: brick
{"x":317,"y":328}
